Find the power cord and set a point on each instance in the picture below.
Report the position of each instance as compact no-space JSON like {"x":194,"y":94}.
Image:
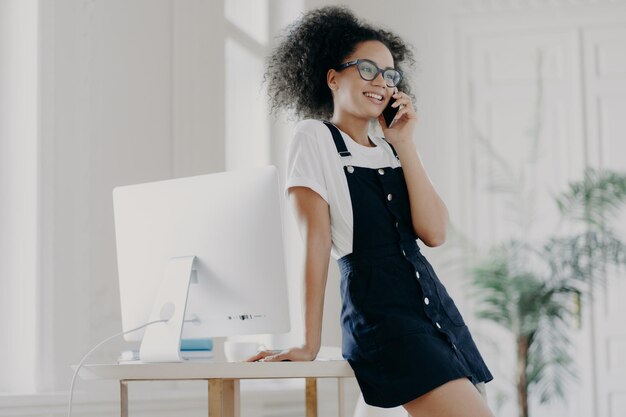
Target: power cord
{"x":80,"y":364}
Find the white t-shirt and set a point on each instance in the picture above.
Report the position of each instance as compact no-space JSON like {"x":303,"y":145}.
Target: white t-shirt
{"x":313,"y":162}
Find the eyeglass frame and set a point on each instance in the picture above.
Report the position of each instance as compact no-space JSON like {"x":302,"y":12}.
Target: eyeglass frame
{"x":378,"y":70}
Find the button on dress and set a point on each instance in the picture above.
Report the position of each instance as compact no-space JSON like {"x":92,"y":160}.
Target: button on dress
{"x":402,"y":334}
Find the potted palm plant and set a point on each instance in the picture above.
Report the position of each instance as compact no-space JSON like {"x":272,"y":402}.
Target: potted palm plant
{"x":528,"y":288}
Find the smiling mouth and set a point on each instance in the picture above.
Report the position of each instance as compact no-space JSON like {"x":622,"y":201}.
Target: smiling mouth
{"x":374,"y":96}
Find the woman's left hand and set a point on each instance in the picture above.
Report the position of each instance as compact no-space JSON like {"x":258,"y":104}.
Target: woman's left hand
{"x":403,"y":124}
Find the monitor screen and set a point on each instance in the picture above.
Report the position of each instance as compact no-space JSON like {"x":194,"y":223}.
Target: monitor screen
{"x":232,"y":223}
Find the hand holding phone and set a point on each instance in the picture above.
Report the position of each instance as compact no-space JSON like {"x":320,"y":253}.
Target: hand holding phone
{"x":390,"y":112}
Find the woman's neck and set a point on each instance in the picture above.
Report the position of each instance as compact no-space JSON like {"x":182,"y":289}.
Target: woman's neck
{"x":356,"y":128}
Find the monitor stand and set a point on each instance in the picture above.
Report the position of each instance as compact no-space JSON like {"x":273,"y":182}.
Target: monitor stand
{"x":161,"y":341}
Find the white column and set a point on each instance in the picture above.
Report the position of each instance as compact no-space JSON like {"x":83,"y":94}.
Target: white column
{"x":19,"y":171}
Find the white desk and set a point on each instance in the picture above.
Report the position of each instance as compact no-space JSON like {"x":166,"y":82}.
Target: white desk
{"x":223,"y":379}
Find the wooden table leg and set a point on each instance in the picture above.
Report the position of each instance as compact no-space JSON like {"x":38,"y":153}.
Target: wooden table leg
{"x":224,"y":397}
{"x":215,"y":397}
{"x":123,"y":398}
{"x":230,"y":398}
{"x":311,"y":397}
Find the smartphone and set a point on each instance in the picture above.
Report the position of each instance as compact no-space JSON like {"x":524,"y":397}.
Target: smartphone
{"x":390,"y":112}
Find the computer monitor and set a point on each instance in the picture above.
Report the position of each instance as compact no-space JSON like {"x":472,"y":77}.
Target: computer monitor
{"x":209,"y":245}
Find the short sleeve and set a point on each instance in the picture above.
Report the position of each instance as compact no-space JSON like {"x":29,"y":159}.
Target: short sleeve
{"x":304,"y":167}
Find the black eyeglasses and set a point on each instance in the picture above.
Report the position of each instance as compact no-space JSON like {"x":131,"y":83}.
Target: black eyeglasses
{"x":368,"y":70}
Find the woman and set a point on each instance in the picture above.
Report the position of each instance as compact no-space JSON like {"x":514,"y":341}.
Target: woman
{"x":365,"y":200}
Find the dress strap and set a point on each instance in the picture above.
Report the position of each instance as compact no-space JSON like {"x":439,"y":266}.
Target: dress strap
{"x":392,"y":149}
{"x":339,"y":143}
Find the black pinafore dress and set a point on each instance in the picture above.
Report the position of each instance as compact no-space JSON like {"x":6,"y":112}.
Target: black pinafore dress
{"x":402,"y":334}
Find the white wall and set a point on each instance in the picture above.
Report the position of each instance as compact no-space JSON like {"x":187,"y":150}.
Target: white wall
{"x":19,"y":182}
{"x":130,"y":94}
{"x":111,"y":97}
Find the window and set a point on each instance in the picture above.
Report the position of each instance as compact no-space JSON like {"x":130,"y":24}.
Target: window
{"x":247,"y":125}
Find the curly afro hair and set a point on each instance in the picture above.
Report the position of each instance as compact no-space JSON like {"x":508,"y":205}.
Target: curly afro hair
{"x":321,"y":39}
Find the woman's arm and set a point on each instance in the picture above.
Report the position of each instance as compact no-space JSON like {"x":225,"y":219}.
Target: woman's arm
{"x":428,"y":211}
{"x":313,"y":218}
{"x":429,"y":214}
